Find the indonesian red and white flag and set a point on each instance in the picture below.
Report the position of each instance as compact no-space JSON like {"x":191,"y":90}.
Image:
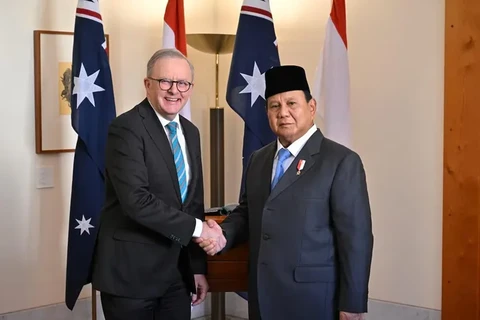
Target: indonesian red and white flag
{"x":332,"y":79}
{"x":174,"y":35}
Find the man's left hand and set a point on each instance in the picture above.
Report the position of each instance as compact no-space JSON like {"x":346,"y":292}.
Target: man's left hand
{"x":351,"y":316}
{"x":202,"y":288}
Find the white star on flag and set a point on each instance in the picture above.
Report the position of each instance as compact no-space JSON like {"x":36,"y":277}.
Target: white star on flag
{"x":84,"y":86}
{"x":255,"y":84}
{"x":84,"y":225}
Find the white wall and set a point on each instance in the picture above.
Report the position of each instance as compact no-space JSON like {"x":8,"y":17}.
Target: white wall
{"x":397,"y":92}
{"x":396,"y":60}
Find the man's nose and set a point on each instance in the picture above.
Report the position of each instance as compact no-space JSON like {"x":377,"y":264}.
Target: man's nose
{"x":283,"y":112}
{"x":173,"y":89}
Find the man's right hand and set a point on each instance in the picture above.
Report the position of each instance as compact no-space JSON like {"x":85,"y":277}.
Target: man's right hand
{"x":212,"y":239}
{"x":351,"y":316}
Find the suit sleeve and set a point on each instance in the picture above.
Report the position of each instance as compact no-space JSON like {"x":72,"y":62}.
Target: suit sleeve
{"x":353,"y":231}
{"x":235,"y":226}
{"x":198,"y":257}
{"x":126,"y":169}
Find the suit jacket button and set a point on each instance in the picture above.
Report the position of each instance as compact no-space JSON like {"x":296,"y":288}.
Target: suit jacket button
{"x":266,"y":236}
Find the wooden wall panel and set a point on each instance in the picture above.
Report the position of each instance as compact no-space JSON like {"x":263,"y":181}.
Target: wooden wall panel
{"x":461,"y":198}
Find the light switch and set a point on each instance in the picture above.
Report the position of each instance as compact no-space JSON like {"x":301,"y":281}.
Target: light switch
{"x":44,"y":177}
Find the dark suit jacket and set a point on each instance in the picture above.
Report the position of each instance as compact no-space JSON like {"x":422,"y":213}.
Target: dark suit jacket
{"x":145,"y":232}
{"x":310,"y":238}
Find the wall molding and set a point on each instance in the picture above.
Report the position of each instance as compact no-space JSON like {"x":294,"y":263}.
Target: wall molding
{"x":236,"y":310}
{"x":82,"y":311}
{"x":384,"y":310}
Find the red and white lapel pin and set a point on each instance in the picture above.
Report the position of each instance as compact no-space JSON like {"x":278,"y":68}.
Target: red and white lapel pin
{"x":300,"y":165}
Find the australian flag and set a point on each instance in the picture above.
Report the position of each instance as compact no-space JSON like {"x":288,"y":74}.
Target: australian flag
{"x":93,"y":108}
{"x":254,"y":53}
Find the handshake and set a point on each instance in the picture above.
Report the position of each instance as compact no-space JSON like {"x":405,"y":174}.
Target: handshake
{"x":211,"y":239}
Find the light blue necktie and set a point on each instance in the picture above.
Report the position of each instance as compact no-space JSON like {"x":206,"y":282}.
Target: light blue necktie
{"x":283,"y":154}
{"x":178,"y":158}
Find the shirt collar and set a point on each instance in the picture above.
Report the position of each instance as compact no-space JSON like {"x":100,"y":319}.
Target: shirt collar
{"x":298,"y":144}
{"x":165,"y":121}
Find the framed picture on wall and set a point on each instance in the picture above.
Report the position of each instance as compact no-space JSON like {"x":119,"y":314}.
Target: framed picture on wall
{"x":53,"y":73}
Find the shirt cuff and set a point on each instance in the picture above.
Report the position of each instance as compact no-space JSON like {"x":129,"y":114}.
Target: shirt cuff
{"x":198,"y":228}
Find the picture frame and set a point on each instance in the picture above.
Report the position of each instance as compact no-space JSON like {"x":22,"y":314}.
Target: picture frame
{"x":52,"y":73}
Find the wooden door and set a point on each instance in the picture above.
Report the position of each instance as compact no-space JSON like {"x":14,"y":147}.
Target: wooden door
{"x":461,"y":198}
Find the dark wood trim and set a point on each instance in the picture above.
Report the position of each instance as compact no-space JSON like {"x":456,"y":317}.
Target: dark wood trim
{"x":461,"y":184}
{"x":38,"y":89}
{"x":38,"y":99}
{"x":54,"y":32}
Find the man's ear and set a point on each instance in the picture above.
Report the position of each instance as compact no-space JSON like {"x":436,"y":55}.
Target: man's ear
{"x":313,"y":106}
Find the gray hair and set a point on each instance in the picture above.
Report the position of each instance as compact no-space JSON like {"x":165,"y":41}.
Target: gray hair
{"x":167,"y":53}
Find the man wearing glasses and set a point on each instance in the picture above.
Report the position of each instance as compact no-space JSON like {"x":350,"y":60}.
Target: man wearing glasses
{"x":146,"y":265}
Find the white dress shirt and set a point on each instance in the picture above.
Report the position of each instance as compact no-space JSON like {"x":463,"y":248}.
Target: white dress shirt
{"x":186,"y":158}
{"x":294,"y":149}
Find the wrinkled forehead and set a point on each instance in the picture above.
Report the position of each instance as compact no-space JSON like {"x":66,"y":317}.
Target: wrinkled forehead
{"x":286,"y":96}
{"x":172,"y":68}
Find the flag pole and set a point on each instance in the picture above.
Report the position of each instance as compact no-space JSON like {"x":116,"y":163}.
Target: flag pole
{"x":94,"y":304}
{"x":217,"y":179}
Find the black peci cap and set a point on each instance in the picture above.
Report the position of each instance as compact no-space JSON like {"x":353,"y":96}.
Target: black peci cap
{"x":285,"y":78}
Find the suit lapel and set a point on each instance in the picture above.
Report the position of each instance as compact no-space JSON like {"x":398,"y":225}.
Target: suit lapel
{"x":265,"y":176}
{"x":157,"y":133}
{"x":190,"y":141}
{"x":290,"y":176}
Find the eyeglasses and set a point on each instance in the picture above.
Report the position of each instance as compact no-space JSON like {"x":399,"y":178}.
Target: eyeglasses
{"x":166,"y":84}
